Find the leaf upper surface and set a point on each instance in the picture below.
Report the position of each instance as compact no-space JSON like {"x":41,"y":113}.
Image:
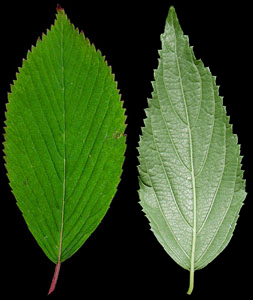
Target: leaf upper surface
{"x":64,"y":141}
{"x":191,"y":185}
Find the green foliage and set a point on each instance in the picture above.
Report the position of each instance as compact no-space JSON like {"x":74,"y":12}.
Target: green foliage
{"x":191,"y":182}
{"x":64,"y":141}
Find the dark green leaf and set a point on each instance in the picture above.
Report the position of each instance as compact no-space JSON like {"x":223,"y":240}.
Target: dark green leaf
{"x":64,"y":141}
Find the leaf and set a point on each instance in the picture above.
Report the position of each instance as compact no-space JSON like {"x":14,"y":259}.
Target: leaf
{"x":64,"y":140}
{"x":191,"y":182}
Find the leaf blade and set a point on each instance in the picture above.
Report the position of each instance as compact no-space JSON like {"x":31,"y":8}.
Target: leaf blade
{"x":62,"y":155}
{"x":189,"y":157}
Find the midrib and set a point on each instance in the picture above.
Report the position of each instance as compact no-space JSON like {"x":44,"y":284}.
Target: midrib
{"x":58,"y":265}
{"x":64,"y":148}
{"x":194,"y":230}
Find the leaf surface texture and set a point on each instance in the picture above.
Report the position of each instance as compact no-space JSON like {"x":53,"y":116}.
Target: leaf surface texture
{"x":191,"y":182}
{"x":64,"y":141}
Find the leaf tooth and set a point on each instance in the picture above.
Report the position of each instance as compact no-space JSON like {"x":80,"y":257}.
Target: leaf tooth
{"x":149,"y":100}
{"x":153,"y":83}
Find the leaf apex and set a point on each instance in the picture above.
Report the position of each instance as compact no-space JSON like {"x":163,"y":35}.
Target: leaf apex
{"x":59,"y":9}
{"x":172,"y":10}
{"x":172,"y":17}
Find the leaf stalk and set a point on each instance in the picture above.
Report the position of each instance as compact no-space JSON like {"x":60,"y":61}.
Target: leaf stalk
{"x":55,"y":278}
{"x":191,"y":282}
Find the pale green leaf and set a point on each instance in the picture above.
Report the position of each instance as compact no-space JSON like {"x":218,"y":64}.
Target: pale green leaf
{"x":64,"y":141}
{"x":191,"y":182}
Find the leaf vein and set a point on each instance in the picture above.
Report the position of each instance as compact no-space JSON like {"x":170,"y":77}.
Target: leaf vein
{"x":217,"y":229}
{"x":42,"y":136}
{"x":36,"y":176}
{"x":215,"y":194}
{"x":85,"y":164}
{"x":164,"y":217}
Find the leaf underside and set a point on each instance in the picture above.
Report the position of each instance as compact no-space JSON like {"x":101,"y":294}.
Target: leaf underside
{"x":64,"y":140}
{"x":191,"y":182}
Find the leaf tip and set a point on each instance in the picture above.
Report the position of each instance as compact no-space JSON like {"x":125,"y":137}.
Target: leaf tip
{"x":172,"y":9}
{"x":59,"y":9}
{"x":172,"y":18}
{"x":172,"y":12}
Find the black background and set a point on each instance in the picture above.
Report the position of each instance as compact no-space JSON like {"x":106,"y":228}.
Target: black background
{"x":123,"y":258}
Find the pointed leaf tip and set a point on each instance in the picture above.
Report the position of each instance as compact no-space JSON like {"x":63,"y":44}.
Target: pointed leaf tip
{"x":172,"y":10}
{"x":172,"y":19}
{"x":59,"y":8}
